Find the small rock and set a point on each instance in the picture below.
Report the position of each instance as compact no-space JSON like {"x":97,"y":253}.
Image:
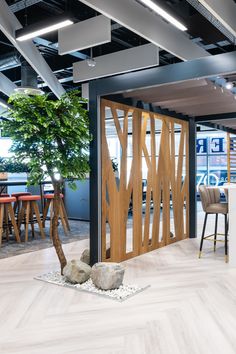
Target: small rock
{"x":107,"y":276}
{"x":85,"y":257}
{"x":77,"y":272}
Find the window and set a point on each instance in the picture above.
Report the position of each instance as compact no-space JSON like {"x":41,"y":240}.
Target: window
{"x":5,"y":145}
{"x":211,"y":158}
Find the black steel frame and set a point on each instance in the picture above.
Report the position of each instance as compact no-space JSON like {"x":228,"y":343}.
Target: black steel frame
{"x":221,"y":64}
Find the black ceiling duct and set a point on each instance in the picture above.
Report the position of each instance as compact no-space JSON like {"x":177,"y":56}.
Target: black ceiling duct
{"x":29,"y":80}
{"x":29,"y":77}
{"x":9,"y":61}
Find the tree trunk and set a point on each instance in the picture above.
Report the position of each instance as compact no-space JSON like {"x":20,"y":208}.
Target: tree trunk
{"x":55,"y":237}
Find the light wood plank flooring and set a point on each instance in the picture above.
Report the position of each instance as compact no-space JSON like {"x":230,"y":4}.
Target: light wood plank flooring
{"x":190,"y":307}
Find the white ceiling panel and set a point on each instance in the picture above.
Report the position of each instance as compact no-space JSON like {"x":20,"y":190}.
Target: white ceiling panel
{"x":136,"y":58}
{"x":84,"y":34}
{"x":146,"y":24}
{"x":224,"y":11}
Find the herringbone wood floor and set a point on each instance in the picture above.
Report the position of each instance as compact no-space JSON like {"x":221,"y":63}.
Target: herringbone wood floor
{"x":190,"y":307}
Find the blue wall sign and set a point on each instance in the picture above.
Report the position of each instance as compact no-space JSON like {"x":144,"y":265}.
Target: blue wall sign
{"x":211,"y":145}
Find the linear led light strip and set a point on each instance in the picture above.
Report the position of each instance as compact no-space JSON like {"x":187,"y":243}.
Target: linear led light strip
{"x":44,"y":30}
{"x":164,"y":14}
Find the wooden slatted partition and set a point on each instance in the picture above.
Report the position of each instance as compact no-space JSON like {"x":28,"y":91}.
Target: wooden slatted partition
{"x":231,"y":158}
{"x":141,"y":214}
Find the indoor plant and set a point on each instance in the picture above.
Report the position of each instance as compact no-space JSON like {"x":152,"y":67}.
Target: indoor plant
{"x":52,"y":136}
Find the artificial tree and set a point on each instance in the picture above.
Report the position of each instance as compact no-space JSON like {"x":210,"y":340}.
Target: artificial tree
{"x":52,"y":136}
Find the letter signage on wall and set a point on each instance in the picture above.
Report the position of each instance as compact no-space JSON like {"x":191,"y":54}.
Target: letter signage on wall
{"x":211,"y":145}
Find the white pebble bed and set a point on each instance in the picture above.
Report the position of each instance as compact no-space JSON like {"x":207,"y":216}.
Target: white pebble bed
{"x":120,"y":294}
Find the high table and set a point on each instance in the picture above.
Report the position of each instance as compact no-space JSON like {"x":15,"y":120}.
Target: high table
{"x":8,"y":183}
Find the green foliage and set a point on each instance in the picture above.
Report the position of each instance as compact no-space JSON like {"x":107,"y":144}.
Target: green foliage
{"x":50,"y":136}
{"x":12,"y":165}
{"x":2,"y":165}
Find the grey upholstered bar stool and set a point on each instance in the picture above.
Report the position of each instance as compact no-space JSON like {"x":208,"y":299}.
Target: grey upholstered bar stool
{"x":210,"y":198}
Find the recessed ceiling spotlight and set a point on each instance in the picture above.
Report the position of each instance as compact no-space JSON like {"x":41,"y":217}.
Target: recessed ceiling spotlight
{"x":156,"y":8}
{"x":229,"y":85}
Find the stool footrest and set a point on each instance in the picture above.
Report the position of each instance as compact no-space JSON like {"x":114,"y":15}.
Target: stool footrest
{"x":213,"y":239}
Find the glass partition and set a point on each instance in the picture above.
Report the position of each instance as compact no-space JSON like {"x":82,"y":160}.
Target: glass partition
{"x":211,"y":148}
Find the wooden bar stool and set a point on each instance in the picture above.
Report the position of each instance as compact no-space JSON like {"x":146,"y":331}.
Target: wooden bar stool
{"x":29,"y":208}
{"x":17,"y":202}
{"x":210,"y":198}
{"x":6,"y":210}
{"x":7,"y":222}
{"x":62,"y":212}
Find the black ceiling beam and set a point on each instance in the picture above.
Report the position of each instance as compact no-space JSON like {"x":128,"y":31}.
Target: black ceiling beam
{"x":119,"y":99}
{"x":121,"y":41}
{"x":55,"y":7}
{"x":221,"y":64}
{"x":168,"y":113}
{"x":219,"y":127}
{"x":212,"y":117}
{"x":22,"y":4}
{"x":54,"y":46}
{"x":143,"y":105}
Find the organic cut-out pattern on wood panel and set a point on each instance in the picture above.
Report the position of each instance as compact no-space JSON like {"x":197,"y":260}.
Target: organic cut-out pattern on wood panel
{"x":141,"y":214}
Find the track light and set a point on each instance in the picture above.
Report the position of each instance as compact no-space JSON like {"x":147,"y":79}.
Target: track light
{"x":156,"y":8}
{"x":41,"y":28}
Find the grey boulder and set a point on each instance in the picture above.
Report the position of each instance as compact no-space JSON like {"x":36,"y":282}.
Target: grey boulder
{"x":85,"y":257}
{"x":107,"y":276}
{"x":77,"y":272}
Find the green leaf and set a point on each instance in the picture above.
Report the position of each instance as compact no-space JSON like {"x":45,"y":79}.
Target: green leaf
{"x":49,"y":135}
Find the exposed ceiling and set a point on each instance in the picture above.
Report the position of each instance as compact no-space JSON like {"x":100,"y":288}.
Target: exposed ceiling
{"x":192,"y":98}
{"x":210,"y":31}
{"x":205,"y":99}
{"x":200,"y":31}
{"x":227,"y":123}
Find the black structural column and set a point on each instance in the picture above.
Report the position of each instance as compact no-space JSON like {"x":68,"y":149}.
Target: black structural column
{"x":95,"y":174}
{"x":192,"y":179}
